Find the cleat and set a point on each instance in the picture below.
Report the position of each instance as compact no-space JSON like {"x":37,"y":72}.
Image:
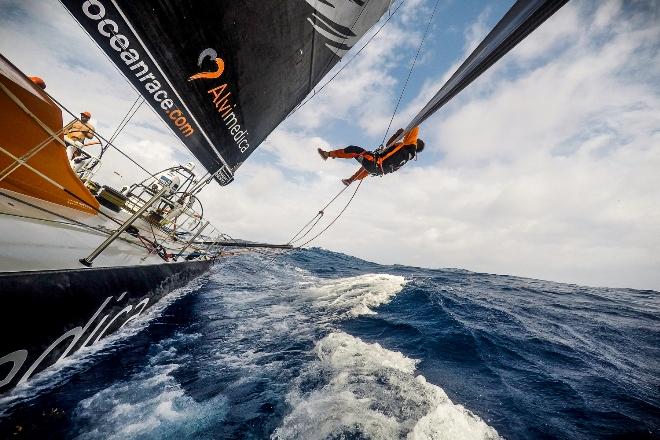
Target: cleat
{"x":324,"y":154}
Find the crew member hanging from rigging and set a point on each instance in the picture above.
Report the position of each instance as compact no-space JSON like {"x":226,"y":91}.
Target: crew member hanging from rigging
{"x":381,"y":161}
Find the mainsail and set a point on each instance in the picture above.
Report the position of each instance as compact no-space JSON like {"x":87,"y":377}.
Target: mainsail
{"x":223,"y":74}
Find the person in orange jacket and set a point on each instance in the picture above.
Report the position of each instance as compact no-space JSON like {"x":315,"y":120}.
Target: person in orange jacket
{"x":76,"y":133}
{"x":378,"y":163}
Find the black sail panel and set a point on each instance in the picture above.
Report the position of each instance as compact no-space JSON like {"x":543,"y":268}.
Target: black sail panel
{"x":223,"y":74}
{"x":522,"y":19}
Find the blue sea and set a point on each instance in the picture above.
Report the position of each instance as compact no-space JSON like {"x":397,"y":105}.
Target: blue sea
{"x":321,"y":345}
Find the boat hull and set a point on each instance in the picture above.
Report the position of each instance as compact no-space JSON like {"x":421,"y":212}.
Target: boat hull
{"x":49,"y":315}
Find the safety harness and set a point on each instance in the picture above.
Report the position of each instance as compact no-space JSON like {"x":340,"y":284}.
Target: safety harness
{"x":379,"y":160}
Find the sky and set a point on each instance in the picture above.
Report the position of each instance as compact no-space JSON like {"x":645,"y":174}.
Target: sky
{"x":547,"y":166}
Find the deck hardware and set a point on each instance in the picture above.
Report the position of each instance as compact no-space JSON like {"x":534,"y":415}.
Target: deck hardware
{"x":87,"y":261}
{"x":191,"y":240}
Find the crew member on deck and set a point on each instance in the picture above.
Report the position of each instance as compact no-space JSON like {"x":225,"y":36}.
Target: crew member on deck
{"x":38,"y":81}
{"x":377,"y":163}
{"x":76,"y":133}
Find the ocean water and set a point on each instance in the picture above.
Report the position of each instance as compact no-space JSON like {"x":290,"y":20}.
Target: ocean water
{"x":320,"y":345}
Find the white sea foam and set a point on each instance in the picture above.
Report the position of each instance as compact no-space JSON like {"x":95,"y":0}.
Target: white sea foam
{"x":355,"y":296}
{"x":372,"y":391}
{"x":149,"y":404}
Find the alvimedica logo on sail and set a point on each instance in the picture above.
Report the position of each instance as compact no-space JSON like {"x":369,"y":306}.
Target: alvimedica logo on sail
{"x":109,"y":28}
{"x":221,"y":100}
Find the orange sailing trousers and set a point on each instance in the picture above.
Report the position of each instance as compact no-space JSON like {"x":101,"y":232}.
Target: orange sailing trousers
{"x":353,"y":152}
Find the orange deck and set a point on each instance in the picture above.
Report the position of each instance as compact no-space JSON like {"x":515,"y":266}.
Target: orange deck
{"x":20,"y":133}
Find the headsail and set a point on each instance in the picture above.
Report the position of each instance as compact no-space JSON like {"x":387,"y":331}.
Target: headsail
{"x":523,"y":17}
{"x":223,"y":74}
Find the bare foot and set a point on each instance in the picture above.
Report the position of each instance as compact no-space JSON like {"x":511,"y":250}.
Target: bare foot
{"x":324,"y":154}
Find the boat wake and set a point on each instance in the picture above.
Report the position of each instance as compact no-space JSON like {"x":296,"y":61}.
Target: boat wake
{"x":150,"y":404}
{"x":356,"y":388}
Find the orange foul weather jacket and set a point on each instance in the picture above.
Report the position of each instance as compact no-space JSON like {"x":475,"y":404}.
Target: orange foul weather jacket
{"x":382,"y":162}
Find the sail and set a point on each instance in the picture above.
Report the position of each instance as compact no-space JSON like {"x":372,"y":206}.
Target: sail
{"x":223,"y":74}
{"x":523,"y":17}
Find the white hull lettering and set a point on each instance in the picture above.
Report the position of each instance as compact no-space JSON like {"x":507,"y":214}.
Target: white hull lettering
{"x":17,"y":358}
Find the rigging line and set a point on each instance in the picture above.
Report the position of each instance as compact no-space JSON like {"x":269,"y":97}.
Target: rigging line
{"x":318,"y":215}
{"x":318,"y":218}
{"x":103,"y":138}
{"x":421,"y":43}
{"x":294,"y":238}
{"x":127,"y":118}
{"x":121,"y":123}
{"x":335,"y":219}
{"x":311,"y":228}
{"x":316,"y":92}
{"x":124,"y":122}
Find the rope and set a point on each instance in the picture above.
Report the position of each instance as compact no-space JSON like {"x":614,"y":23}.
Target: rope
{"x":421,"y":43}
{"x":317,"y":217}
{"x":335,"y":219}
{"x":124,"y":122}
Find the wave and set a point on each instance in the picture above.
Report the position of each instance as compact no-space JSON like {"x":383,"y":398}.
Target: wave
{"x":357,"y":388}
{"x":150,"y":404}
{"x":355,"y":296}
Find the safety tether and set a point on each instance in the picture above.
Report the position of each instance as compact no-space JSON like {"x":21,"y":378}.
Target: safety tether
{"x":314,"y":221}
